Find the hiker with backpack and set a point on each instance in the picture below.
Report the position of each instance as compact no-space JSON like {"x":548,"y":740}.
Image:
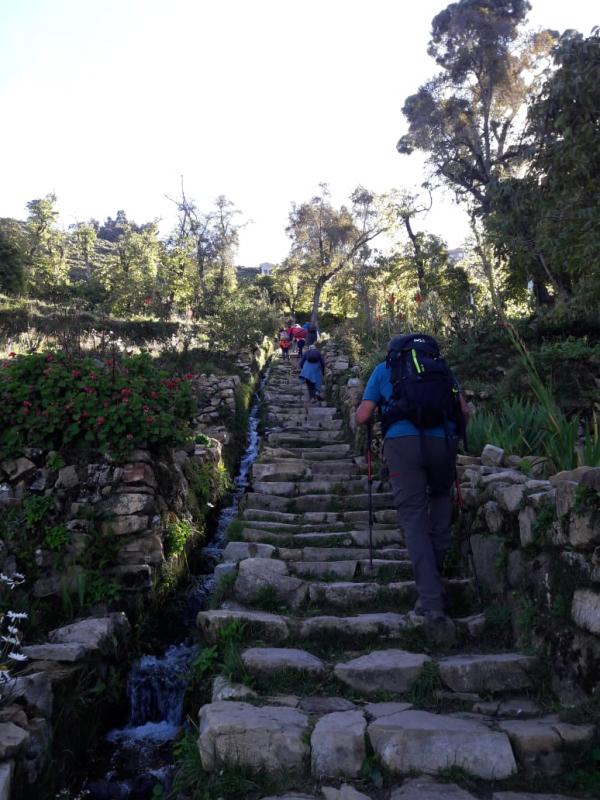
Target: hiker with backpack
{"x":299,"y":335}
{"x":285,"y":342}
{"x":423,"y":415}
{"x":312,"y":369}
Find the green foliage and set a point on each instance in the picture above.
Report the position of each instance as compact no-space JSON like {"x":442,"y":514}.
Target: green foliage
{"x":55,"y":461}
{"x":498,"y":624}
{"x":51,"y":401}
{"x":424,"y":687}
{"x":36,"y":508}
{"x":587,"y":500}
{"x":543,"y":522}
{"x":57,"y":538}
{"x":177,"y":533}
{"x":235,"y":530}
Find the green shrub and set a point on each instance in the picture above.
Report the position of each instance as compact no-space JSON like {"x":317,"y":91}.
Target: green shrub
{"x":52,"y":401}
{"x":177,"y":533}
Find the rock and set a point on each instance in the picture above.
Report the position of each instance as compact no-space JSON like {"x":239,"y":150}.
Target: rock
{"x":569,"y":475}
{"x":271,"y":626}
{"x":7,"y":496}
{"x":292,"y":592}
{"x":56,"y":652}
{"x":338,"y":745}
{"x":266,"y":738}
{"x":585,"y":610}
{"x":142,"y":550}
{"x":126,"y":504}
{"x":494,"y":518}
{"x":345,"y":792}
{"x":486,"y":673}
{"x":12,"y":739}
{"x":492,"y":456}
{"x":426,"y":789}
{"x":382,"y":670}
{"x":377,"y":710}
{"x":418,"y":740}
{"x":521,"y":707}
{"x":265,"y":567}
{"x":529,"y":796}
{"x":537,"y":746}
{"x":6,"y":773}
{"x":238,"y":551}
{"x":487,"y":554}
{"x":566,"y":495}
{"x":223,"y":570}
{"x":527,"y":518}
{"x":225,"y":690}
{"x":43,"y":479}
{"x":67,"y":478}
{"x":325,"y":705}
{"x":591,"y":479}
{"x":584,"y":530}
{"x":510,"y":498}
{"x":18,"y":468}
{"x":473,"y":626}
{"x":291,"y":796}
{"x":94,"y":633}
{"x":266,"y":661}
{"x":140,"y":472}
{"x":122,"y":526}
{"x":36,"y":691}
{"x":384,"y":625}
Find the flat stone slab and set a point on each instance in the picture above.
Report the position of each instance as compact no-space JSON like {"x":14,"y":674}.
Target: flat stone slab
{"x":269,"y":660}
{"x":345,"y":792}
{"x":270,"y":738}
{"x":94,"y":633}
{"x":225,"y":690}
{"x":325,"y":705}
{"x":529,"y":796}
{"x":386,"y":626}
{"x":487,"y":673}
{"x":521,"y":707}
{"x":377,"y":710}
{"x":338,"y":745}
{"x":341,"y":569}
{"x":427,"y":789}
{"x":343,"y":594}
{"x":419,"y":740}
{"x":12,"y":739}
{"x":56,"y":652}
{"x":382,"y":671}
{"x":262,"y":566}
{"x":272,"y":626}
{"x":237,"y":551}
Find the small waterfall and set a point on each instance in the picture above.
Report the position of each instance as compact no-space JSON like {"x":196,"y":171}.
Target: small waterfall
{"x":141,"y":752}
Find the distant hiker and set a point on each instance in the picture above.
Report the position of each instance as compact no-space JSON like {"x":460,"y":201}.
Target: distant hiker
{"x":422,"y":416}
{"x":285,"y":342}
{"x":299,"y":335}
{"x":312,"y":369}
{"x":312,"y":333}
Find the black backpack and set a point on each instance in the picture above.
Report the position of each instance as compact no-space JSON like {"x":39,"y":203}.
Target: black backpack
{"x":424,"y":390}
{"x":313,"y":356}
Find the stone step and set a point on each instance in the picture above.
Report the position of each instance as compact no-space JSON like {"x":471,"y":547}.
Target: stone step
{"x":382,"y":671}
{"x":301,"y":439}
{"x":342,"y":553}
{"x":323,"y":453}
{"x":302,"y":425}
{"x":360,"y":627}
{"x":325,"y":503}
{"x":322,"y":539}
{"x":270,"y":626}
{"x":349,"y":569}
{"x":267,"y":661}
{"x":487,"y":674}
{"x":306,"y":486}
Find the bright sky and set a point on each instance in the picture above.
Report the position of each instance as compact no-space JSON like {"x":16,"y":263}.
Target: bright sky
{"x":108,"y":102}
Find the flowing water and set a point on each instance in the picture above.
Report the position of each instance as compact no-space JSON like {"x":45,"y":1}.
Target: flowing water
{"x":141,"y":752}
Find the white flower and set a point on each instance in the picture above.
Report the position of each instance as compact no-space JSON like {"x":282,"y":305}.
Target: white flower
{"x":17,"y":656}
{"x":17,"y":615}
{"x":10,"y":639}
{"x":12,"y":629}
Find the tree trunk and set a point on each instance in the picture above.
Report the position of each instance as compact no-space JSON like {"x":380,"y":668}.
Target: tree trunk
{"x":314,"y":317}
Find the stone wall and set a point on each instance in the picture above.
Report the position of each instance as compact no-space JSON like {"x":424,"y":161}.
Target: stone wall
{"x":535,"y":540}
{"x":110,"y":523}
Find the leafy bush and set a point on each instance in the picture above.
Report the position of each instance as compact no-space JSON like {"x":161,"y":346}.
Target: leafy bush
{"x":177,"y":533}
{"x":51,"y":401}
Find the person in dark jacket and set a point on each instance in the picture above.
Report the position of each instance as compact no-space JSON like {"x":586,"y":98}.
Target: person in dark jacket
{"x":312,"y":369}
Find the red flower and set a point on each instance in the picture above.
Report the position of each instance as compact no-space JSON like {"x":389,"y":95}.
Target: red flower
{"x":89,"y":390}
{"x":189,"y":376}
{"x":153,"y":395}
{"x":146,"y":409}
{"x":418,"y":297}
{"x":126,"y":392}
{"x":49,"y":357}
{"x":76,"y":373}
{"x":109,"y":362}
{"x":129,"y":436}
{"x":27,"y":403}
{"x":148,"y":301}
{"x":85,"y":414}
{"x":100,"y":420}
{"x":12,"y":355}
{"x":92,"y":376}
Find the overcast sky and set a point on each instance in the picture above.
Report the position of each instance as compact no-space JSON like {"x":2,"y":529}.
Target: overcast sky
{"x":108,"y":102}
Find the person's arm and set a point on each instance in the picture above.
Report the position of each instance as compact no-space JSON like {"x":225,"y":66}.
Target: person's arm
{"x":365,"y":411}
{"x":370,"y":399}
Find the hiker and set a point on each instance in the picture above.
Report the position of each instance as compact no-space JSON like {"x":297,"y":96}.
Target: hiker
{"x":312,"y":333}
{"x":299,"y":335}
{"x":422,"y":420}
{"x":285,"y":342}
{"x":312,"y":369}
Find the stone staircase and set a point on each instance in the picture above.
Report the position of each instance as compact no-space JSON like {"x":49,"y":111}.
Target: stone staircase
{"x":339,"y":674}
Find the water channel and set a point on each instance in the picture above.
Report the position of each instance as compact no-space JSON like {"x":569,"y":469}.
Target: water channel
{"x":140,"y":753}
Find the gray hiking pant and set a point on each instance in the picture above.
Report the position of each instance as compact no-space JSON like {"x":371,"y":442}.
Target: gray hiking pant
{"x":422,"y":472}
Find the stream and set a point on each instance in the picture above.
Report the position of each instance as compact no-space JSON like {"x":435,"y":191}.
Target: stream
{"x":140,"y":753}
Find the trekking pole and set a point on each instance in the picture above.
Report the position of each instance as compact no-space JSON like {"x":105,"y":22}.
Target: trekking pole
{"x":370,"y":485}
{"x":461,"y":528}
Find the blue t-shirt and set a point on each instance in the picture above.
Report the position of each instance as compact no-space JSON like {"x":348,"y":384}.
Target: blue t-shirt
{"x":379,"y":390}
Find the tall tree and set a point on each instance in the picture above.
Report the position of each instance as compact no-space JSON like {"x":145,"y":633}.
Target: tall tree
{"x":326,"y":240}
{"x":468,"y":118}
{"x":46,"y":264}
